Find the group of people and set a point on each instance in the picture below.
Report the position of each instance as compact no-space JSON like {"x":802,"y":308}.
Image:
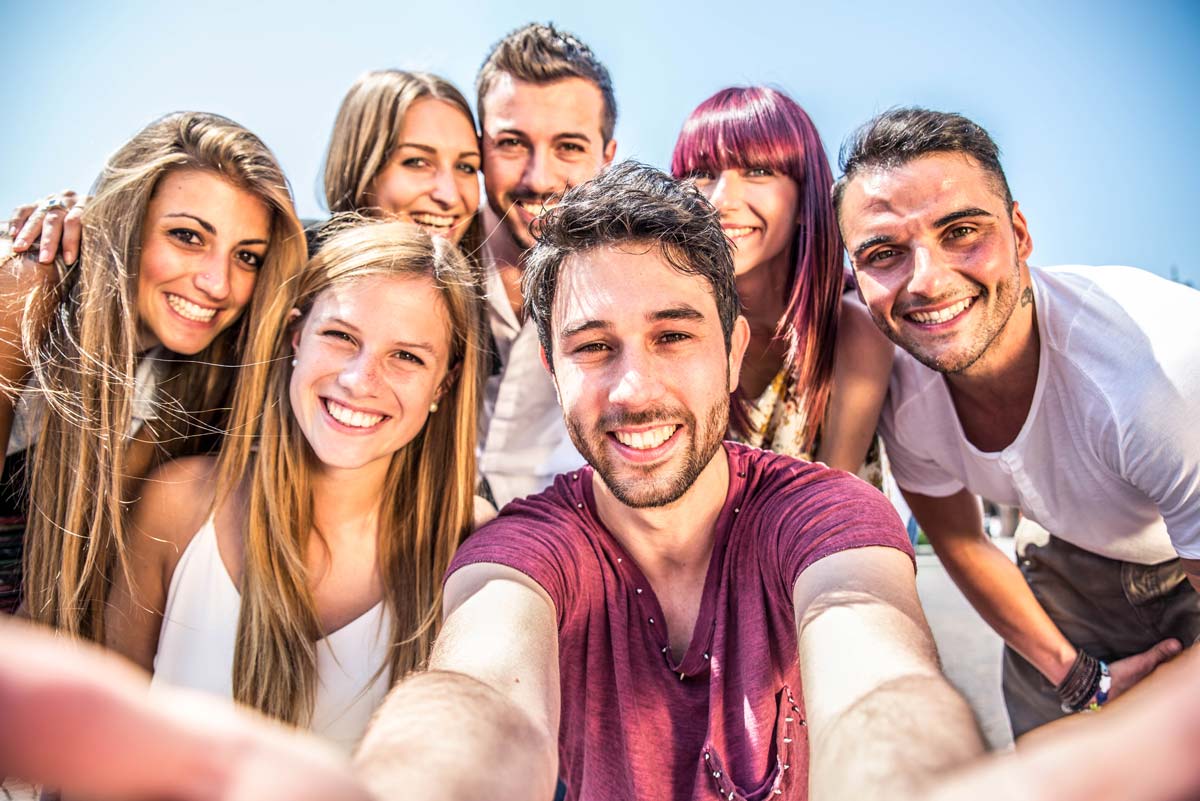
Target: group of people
{"x":555,"y":493}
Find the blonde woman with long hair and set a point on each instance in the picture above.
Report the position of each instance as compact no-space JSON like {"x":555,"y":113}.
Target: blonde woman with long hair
{"x":300,"y":572}
{"x":125,"y":357}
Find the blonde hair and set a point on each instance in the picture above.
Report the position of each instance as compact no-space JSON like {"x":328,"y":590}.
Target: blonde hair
{"x":83,"y":355}
{"x":427,"y":503}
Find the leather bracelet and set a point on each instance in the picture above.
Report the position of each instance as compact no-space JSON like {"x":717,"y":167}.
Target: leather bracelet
{"x":1081,"y":682}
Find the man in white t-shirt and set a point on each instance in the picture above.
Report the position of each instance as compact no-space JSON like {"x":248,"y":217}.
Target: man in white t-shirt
{"x":1070,"y":392}
{"x":547,"y":111}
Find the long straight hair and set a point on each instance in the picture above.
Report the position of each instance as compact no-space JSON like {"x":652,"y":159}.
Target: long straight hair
{"x":367,"y":132}
{"x":426,"y":508}
{"x":762,"y":127}
{"x":83,"y":353}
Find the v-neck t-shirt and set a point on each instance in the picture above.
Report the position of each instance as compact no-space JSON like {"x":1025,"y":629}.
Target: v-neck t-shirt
{"x":728,"y":717}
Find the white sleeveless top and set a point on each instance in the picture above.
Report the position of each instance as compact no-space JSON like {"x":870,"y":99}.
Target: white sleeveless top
{"x":199,"y":632}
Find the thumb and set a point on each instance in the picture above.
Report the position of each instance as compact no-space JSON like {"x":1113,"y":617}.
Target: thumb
{"x":1129,"y":671}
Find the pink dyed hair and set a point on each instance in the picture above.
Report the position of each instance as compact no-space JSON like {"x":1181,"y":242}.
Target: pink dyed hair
{"x":762,"y":127}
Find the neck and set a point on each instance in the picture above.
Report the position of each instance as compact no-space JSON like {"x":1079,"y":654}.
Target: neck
{"x":506,"y":254}
{"x":1007,"y":371}
{"x":764,"y":293}
{"x":346,"y":502}
{"x":666,"y":541}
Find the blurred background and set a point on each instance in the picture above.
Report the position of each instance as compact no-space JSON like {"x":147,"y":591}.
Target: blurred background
{"x":1093,"y":104}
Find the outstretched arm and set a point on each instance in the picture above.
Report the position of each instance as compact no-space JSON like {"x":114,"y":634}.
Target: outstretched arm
{"x":482,"y":722}
{"x":80,"y":720}
{"x":883,"y":721}
{"x":995,"y":587}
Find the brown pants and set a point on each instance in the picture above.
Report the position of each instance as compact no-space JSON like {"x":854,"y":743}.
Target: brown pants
{"x":1111,"y":609}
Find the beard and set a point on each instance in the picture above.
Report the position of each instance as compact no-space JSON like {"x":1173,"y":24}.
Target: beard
{"x":660,"y":484}
{"x":995,"y":308}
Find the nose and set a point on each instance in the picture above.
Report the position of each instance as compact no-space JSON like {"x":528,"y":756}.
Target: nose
{"x":540,"y":176}
{"x":727,"y":192}
{"x":445,"y":189}
{"x":928,"y":275}
{"x":213,"y":276}
{"x":637,"y":382}
{"x":359,"y":374}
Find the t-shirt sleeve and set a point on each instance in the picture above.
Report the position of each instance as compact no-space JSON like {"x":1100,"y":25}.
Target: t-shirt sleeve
{"x":535,"y":538}
{"x":913,"y":472}
{"x":835,"y":512}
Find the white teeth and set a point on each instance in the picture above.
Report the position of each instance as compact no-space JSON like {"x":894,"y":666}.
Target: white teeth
{"x":349,"y":417}
{"x":538,"y":209}
{"x":432,"y":220}
{"x":645,"y":440}
{"x":738,"y":233}
{"x":942,"y":315}
{"x":192,"y":311}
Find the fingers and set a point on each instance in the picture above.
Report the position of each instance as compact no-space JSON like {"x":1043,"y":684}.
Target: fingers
{"x":46,"y":220}
{"x":1129,"y":671}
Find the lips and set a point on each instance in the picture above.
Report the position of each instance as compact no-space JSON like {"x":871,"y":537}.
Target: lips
{"x":942,"y":315}
{"x":189,"y":310}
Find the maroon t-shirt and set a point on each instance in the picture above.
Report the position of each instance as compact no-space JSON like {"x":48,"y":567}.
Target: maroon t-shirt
{"x":727,"y":720}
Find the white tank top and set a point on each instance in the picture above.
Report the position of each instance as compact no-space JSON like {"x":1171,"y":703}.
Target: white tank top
{"x":199,"y":632}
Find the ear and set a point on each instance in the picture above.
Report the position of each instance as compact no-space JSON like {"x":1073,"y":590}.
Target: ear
{"x":292,"y":318}
{"x":738,"y":341}
{"x":448,"y":381}
{"x":610,"y":151}
{"x":553,"y":377}
{"x":1024,"y":241}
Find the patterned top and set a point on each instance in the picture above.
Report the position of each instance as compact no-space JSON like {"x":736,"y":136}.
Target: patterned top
{"x":778,"y":418}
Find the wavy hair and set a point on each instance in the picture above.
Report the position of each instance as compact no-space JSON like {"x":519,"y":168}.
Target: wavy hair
{"x":82,"y":351}
{"x":427,"y":503}
{"x":762,"y":127}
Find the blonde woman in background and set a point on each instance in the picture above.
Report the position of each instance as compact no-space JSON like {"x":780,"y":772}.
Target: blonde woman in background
{"x":300,"y":573}
{"x":124,"y":357}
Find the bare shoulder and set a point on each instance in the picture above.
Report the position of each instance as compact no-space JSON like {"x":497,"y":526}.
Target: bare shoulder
{"x":860,"y":339}
{"x":174,"y":501}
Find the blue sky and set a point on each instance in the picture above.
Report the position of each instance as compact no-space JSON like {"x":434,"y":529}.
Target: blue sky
{"x":1093,"y":104}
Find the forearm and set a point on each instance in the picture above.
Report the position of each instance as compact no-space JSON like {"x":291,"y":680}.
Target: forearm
{"x":894,"y":743}
{"x":997,"y":590}
{"x":447,"y":735}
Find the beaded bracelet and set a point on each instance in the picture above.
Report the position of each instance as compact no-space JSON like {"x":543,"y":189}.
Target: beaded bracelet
{"x":1081,"y":682}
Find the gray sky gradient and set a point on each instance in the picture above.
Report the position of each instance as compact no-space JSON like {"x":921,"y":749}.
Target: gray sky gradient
{"x":1093,"y":104}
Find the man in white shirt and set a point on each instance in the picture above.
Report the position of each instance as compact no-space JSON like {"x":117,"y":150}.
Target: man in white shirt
{"x":1071,"y":392}
{"x":547,"y":112}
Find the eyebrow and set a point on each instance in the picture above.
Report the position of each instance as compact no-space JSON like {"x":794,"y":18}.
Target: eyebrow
{"x":584,"y":327}
{"x":573,"y":135}
{"x":940,"y":222}
{"x":682,"y":312}
{"x":211,"y":229}
{"x":433,"y":150}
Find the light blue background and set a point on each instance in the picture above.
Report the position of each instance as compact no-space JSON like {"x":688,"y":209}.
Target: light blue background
{"x":1093,"y":104}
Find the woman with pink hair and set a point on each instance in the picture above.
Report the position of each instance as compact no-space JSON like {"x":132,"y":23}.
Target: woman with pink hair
{"x":816,"y":371}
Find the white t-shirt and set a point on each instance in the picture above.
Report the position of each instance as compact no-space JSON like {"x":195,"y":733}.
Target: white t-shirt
{"x":1109,"y":457}
{"x":524,"y":443}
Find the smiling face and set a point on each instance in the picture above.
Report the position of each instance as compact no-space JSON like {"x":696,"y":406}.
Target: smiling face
{"x":432,"y":177}
{"x":642,"y":370}
{"x":760,"y":209}
{"x":371,"y":356}
{"x":539,"y":140}
{"x":940,"y":262}
{"x":203,"y":242}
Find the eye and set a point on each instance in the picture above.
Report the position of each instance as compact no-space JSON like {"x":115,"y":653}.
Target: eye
{"x":186,"y":235}
{"x":592,"y":347}
{"x":959,"y":231}
{"x":337,"y":335}
{"x":573,"y":148}
{"x":881,"y":255}
{"x":509,"y":142}
{"x":702,"y":177}
{"x":467,"y":168}
{"x":759,"y":172}
{"x":409,"y":356}
{"x":251,"y":259}
{"x":415,"y":162}
{"x":673,"y":337}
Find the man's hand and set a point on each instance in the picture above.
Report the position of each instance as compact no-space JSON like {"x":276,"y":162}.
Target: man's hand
{"x":1132,"y":669}
{"x":57,"y":220}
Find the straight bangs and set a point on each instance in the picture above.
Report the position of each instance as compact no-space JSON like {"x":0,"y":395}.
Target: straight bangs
{"x":737,"y":128}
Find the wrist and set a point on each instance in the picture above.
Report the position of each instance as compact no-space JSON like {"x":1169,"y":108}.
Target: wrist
{"x":1080,"y":686}
{"x":1060,"y":663}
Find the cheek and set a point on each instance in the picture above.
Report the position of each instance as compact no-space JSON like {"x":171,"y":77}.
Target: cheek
{"x":468,"y":187}
{"x":243,"y":282}
{"x":394,"y":191}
